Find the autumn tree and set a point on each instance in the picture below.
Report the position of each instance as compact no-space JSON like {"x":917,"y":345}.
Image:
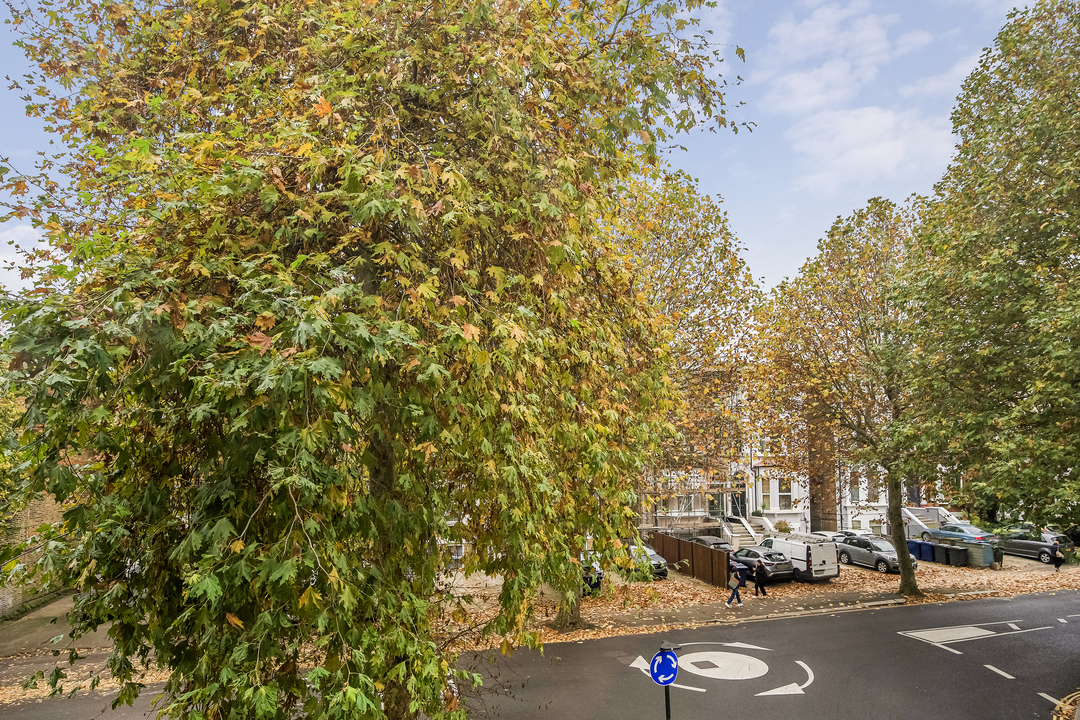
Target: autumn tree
{"x":994,"y":291}
{"x":831,"y":362}
{"x":328,"y":284}
{"x":687,"y":263}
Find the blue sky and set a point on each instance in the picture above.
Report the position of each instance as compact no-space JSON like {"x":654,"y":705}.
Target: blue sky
{"x":851,"y":100}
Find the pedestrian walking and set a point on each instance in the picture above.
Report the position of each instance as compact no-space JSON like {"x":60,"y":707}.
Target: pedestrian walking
{"x":759,"y":580}
{"x":1059,"y":556}
{"x":734,"y":581}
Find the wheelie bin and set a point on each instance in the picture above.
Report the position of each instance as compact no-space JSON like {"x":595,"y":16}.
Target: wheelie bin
{"x":941,"y":554}
{"x":958,"y":556}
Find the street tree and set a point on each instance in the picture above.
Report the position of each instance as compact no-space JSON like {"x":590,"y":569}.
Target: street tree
{"x":994,"y":288}
{"x":328,"y":285}
{"x":830,"y":364}
{"x":687,"y":262}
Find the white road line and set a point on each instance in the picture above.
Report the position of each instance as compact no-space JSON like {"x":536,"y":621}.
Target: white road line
{"x":1014,"y":627}
{"x":1063,"y":620}
{"x":1002,"y":673}
{"x":1072,"y":616}
{"x":983,"y":637}
{"x":1053,"y":700}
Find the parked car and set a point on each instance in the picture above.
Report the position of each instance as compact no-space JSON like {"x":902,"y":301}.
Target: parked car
{"x":871,"y":552}
{"x":644,"y":554}
{"x":1035,"y":544}
{"x":854,"y":533}
{"x":592,"y":575}
{"x":957,"y":531}
{"x":777,"y":566}
{"x":712,"y":541}
{"x":830,"y":536}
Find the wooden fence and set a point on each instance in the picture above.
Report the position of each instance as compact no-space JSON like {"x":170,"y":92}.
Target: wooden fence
{"x":691,"y":559}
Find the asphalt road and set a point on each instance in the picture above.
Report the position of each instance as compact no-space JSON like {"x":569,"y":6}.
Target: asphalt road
{"x":921,"y":661}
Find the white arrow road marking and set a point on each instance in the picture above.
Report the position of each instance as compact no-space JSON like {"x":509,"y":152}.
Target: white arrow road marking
{"x":1002,"y":673}
{"x":643,"y":665}
{"x":1053,"y":700}
{"x":1014,"y":626}
{"x":792,"y":689}
{"x":744,"y":646}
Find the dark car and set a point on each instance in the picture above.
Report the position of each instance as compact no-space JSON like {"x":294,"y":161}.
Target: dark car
{"x":644,"y":554}
{"x":592,"y":575}
{"x":777,"y":566}
{"x":714,"y":542}
{"x":871,"y":552}
{"x":1035,"y":543}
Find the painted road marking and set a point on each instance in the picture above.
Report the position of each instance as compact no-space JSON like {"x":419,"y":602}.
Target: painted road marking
{"x":1002,"y":673}
{"x":1063,"y":620}
{"x":1053,"y":700}
{"x":744,"y":646}
{"x":792,"y":689}
{"x":1014,"y":626}
{"x":942,"y":637}
{"x":723,"y":665}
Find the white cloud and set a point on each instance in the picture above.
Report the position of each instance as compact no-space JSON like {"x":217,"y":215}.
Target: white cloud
{"x":947,"y":83}
{"x":12,"y":238}
{"x":869,"y":143}
{"x":912,"y":40}
{"x":815,"y":89}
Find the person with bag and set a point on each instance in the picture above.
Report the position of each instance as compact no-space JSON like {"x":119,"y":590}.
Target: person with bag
{"x":734,"y":581}
{"x":760,"y":579}
{"x":1059,"y":556}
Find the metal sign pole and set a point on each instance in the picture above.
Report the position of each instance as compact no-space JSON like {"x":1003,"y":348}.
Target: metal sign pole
{"x":664,"y":668}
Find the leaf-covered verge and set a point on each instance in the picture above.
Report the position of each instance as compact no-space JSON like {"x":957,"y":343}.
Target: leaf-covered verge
{"x":993,"y":292}
{"x":326,"y":289}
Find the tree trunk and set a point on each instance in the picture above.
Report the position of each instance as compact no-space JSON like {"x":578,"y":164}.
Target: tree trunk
{"x":569,"y":615}
{"x":908,"y":585}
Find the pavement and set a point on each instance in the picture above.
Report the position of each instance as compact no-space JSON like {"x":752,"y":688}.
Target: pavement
{"x":34,"y":632}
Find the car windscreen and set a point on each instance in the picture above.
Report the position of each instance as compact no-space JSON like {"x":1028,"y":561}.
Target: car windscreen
{"x":883,"y":547}
{"x":775,"y":557}
{"x":1059,"y":539}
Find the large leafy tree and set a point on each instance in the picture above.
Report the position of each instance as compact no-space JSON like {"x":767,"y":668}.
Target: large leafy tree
{"x":994,"y":290}
{"x":829,"y":380}
{"x":327,"y":285}
{"x":688,"y":264}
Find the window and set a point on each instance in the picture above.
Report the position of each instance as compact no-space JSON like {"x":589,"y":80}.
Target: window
{"x":766,"y":492}
{"x":686,"y":504}
{"x":872,"y":489}
{"x":784,"y":495}
{"x":854,"y":493}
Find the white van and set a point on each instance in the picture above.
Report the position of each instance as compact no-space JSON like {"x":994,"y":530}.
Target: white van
{"x":813,"y":558}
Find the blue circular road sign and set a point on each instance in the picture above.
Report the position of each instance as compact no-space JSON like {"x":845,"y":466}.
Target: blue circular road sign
{"x":664,"y":667}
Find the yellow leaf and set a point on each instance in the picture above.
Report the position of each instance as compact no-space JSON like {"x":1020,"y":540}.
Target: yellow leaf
{"x":237,"y":546}
{"x":471,"y":332}
{"x":234,"y":621}
{"x":323,"y":108}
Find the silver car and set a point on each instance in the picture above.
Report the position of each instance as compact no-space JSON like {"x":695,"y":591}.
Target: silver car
{"x":871,"y":552}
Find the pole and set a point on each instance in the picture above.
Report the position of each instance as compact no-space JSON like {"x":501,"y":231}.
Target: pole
{"x":667,"y":700}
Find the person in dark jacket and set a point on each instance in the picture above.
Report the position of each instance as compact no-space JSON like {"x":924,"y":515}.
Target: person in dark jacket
{"x":1059,"y":556}
{"x":760,"y":578}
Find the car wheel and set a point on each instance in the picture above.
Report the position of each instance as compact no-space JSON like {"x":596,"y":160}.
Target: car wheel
{"x":845,"y":558}
{"x":1044,"y":557}
{"x":926,"y":537}
{"x":882,"y":566}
